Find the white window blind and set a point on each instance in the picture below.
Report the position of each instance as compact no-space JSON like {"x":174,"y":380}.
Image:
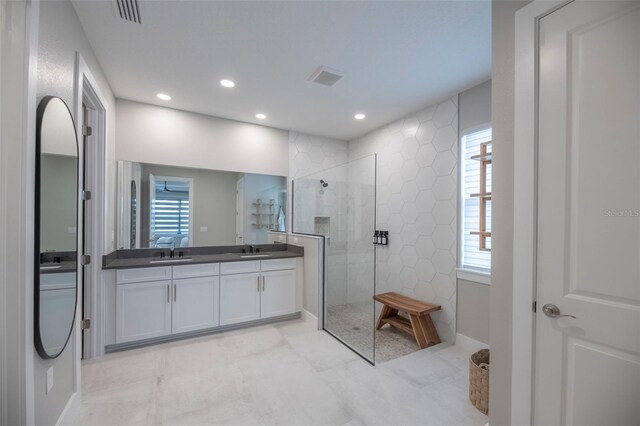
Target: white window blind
{"x":171,"y":210}
{"x":470,"y":254}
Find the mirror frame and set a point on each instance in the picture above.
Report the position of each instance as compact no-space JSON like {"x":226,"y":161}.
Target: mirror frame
{"x":42,"y":107}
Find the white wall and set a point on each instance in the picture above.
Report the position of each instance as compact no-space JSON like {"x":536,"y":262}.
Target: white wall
{"x":310,"y":154}
{"x":473,"y":298}
{"x":321,"y":157}
{"x":18,"y":34}
{"x":473,"y":310}
{"x":475,"y":106}
{"x":417,"y":204}
{"x":313,"y":269}
{"x":60,"y":37}
{"x":502,"y":106}
{"x":158,"y":135}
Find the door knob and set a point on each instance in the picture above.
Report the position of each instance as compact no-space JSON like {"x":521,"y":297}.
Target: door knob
{"x":552,"y":311}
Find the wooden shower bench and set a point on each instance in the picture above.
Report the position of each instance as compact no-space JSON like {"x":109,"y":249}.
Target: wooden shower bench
{"x":419,"y":323}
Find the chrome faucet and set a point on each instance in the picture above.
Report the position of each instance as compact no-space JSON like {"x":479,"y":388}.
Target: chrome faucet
{"x":172,"y":249}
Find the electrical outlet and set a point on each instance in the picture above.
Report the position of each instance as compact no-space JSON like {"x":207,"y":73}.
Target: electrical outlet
{"x":204,"y":229}
{"x":295,"y":240}
{"x":49,"y":379}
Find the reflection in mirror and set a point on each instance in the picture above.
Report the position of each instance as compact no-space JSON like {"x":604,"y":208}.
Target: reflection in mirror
{"x":56,"y":226}
{"x":170,"y":211}
{"x":188,"y":207}
{"x":134,"y":213}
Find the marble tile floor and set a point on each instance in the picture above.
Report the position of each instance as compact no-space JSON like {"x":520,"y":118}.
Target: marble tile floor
{"x":280,"y":374}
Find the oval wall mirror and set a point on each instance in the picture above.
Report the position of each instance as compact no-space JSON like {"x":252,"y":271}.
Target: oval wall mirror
{"x":56,"y":227}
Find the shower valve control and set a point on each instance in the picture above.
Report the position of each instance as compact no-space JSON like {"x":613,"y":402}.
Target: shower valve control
{"x":381,"y":238}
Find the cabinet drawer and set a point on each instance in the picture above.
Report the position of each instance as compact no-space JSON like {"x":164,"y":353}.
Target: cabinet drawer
{"x":278,"y":264}
{"x":192,"y":271}
{"x":137,"y":275}
{"x":240,"y":267}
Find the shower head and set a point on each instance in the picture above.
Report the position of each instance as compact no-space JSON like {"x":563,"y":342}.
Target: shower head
{"x":323,"y":183}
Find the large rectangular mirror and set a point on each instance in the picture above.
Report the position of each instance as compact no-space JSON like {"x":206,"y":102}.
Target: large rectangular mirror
{"x":168,"y":206}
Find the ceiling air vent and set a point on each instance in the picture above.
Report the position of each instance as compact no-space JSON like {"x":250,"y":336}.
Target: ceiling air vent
{"x":129,"y":10}
{"x":326,"y":76}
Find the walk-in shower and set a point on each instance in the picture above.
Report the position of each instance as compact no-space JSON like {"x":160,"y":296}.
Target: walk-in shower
{"x":343,"y":211}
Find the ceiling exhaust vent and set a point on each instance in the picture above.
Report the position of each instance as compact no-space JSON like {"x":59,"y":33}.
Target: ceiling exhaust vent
{"x":326,"y":76}
{"x":129,"y":10}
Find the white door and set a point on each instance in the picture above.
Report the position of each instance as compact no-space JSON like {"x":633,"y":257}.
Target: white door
{"x":588,"y":369}
{"x":240,"y":211}
{"x":195,"y":304}
{"x":278,"y":293}
{"x":239,"y":298}
{"x":143,"y":310}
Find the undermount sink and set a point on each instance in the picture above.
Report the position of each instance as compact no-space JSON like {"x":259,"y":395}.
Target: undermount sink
{"x":180,"y":259}
{"x":246,"y":256}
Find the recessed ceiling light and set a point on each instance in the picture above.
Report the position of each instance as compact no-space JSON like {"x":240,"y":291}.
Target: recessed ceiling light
{"x":359,"y":116}
{"x":261,"y":116}
{"x":163,"y":96}
{"x":227,"y":83}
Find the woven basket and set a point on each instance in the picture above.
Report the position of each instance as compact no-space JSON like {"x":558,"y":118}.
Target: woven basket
{"x":479,"y":380}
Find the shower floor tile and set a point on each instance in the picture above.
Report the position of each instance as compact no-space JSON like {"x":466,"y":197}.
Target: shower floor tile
{"x":354,"y":323}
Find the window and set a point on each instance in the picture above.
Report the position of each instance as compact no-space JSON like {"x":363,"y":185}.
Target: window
{"x":170,"y":212}
{"x":475,"y":248}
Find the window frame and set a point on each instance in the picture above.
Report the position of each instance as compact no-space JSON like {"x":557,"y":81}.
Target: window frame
{"x":190,"y":181}
{"x":467,"y":272}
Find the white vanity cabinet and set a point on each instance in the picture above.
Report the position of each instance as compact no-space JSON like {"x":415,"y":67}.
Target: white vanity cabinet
{"x":143,"y":310}
{"x":278,"y":293}
{"x":57,"y":298}
{"x":161,"y":301}
{"x":249,"y":296}
{"x":239,"y":298}
{"x":148,"y":308}
{"x":195,"y":304}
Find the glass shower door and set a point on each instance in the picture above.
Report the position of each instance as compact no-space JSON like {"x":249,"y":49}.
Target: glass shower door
{"x":339,"y":203}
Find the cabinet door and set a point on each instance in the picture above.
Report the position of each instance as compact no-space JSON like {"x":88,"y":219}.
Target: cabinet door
{"x":278,"y":293}
{"x":143,"y":310}
{"x":195,"y":303}
{"x":239,"y":298}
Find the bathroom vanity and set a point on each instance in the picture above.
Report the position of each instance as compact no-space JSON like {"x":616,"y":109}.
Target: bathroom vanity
{"x":162,"y":296}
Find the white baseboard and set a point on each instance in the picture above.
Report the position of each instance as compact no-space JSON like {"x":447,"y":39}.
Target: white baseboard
{"x":469,"y":344}
{"x":72,"y":405}
{"x":308,"y":316}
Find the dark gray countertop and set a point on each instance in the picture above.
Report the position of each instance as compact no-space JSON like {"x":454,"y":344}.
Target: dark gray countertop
{"x":145,"y":258}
